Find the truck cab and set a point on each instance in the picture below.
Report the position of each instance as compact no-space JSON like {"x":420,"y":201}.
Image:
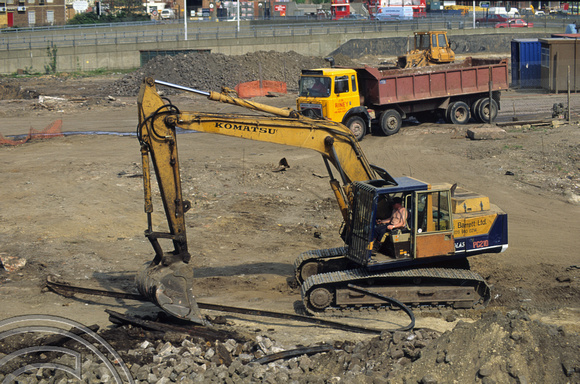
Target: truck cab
{"x":333,"y":93}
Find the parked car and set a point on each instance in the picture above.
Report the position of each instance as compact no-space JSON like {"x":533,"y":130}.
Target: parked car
{"x":491,"y":19}
{"x":355,"y":16}
{"x":167,"y":14}
{"x":515,"y":23}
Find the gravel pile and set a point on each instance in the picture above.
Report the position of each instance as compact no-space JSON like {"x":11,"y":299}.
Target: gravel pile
{"x":499,"y":348}
{"x":163,"y":361}
{"x":212,"y":71}
{"x":233,"y":362}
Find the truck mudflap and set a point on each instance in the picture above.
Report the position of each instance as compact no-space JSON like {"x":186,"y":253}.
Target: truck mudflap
{"x":458,"y":288}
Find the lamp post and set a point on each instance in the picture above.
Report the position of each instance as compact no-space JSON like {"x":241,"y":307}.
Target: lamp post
{"x":185,"y":18}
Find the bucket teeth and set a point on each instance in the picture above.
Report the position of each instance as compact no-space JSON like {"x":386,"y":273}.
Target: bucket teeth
{"x":171,"y":288}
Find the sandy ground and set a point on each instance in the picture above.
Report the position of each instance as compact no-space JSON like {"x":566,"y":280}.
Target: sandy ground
{"x":73,"y":207}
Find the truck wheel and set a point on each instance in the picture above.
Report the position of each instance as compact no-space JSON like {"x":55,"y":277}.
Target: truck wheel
{"x":475,"y":110}
{"x":357,"y":126}
{"x":459,"y":113}
{"x":391,"y":122}
{"x":485,"y":111}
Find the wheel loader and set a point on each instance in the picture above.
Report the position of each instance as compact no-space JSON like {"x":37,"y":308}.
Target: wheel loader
{"x":430,"y":48}
{"x":422,"y":264}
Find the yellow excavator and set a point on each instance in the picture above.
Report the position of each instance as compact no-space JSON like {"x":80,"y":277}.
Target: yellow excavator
{"x":423,"y":264}
{"x":430,"y":48}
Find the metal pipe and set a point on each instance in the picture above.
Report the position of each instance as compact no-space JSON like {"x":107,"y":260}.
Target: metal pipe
{"x":181,"y":87}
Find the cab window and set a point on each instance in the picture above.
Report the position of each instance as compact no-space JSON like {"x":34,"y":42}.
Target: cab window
{"x":442,"y":41}
{"x":341,"y":84}
{"x":353,"y":82}
{"x":433,"y":212}
{"x":315,"y":86}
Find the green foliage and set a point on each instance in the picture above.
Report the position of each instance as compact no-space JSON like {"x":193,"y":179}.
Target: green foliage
{"x":320,"y":1}
{"x":119,"y":17}
{"x":51,"y":66}
{"x":514,"y":147}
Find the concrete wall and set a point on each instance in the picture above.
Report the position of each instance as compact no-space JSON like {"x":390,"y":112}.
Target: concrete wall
{"x":127,"y":56}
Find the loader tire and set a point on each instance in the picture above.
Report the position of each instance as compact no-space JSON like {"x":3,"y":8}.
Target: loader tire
{"x":391,"y":122}
{"x":357,"y":126}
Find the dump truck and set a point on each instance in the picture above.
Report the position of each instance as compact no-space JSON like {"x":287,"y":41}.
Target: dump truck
{"x":424,"y":263}
{"x":368,"y":98}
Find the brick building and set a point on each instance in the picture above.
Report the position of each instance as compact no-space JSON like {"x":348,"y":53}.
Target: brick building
{"x":29,"y":13}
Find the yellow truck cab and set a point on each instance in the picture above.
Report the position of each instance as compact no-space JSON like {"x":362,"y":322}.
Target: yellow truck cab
{"x":333,"y":93}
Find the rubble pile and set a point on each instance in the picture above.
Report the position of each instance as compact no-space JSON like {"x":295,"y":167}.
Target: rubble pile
{"x":497,"y":348}
{"x":211,"y":71}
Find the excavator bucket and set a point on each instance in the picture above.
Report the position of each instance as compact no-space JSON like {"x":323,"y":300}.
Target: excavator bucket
{"x":171,"y":288}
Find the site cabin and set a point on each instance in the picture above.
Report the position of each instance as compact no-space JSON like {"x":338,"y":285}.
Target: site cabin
{"x":365,"y":96}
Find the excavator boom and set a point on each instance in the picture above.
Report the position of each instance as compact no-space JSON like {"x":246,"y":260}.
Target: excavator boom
{"x":168,"y":279}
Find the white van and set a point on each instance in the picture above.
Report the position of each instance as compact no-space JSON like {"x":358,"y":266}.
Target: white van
{"x":394,"y":13}
{"x":167,"y":14}
{"x":502,"y":11}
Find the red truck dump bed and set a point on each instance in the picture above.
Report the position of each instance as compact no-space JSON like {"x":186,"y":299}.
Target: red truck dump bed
{"x":388,"y":86}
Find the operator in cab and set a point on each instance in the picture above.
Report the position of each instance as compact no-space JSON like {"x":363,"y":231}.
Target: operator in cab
{"x":319,"y":88}
{"x":398,"y":220}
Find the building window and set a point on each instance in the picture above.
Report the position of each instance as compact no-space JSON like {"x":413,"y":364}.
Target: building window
{"x":50,"y":17}
{"x":30,"y":2}
{"x":31,"y":18}
{"x":545,"y":57}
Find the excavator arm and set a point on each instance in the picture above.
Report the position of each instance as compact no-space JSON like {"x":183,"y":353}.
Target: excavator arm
{"x":168,"y":281}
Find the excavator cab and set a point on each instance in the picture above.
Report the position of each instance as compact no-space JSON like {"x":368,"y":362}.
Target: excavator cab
{"x":374,"y":201}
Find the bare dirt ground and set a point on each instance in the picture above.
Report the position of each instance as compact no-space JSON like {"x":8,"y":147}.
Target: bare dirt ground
{"x":73,"y":207}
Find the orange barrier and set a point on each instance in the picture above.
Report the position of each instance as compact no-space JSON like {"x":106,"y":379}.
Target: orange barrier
{"x":260,"y":88}
{"x":54,"y":129}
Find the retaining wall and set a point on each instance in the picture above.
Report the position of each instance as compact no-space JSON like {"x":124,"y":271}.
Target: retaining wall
{"x":127,"y":56}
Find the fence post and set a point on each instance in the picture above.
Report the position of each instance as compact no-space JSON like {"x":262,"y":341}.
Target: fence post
{"x":490,"y":95}
{"x":568,"y":118}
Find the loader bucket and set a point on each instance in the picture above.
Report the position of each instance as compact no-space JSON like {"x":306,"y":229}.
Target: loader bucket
{"x":171,"y":288}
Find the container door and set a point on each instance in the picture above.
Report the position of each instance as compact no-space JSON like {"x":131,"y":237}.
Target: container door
{"x":434,"y":224}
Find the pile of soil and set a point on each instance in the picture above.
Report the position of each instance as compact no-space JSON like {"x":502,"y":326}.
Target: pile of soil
{"x":211,"y":71}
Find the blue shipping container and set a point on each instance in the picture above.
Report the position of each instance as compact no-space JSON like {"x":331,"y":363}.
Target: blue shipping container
{"x":525,"y":58}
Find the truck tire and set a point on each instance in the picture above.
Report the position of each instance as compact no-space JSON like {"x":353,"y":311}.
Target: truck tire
{"x":475,"y":110}
{"x":357,"y":126}
{"x":391,"y":122}
{"x":485,"y":111}
{"x":458,"y":113}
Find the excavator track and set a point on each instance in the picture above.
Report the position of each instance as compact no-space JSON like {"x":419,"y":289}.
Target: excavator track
{"x":458,"y":288}
{"x":317,"y":261}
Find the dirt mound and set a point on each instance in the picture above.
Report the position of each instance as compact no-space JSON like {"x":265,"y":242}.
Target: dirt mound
{"x":498,"y":349}
{"x":212,"y":71}
{"x":11,"y":92}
